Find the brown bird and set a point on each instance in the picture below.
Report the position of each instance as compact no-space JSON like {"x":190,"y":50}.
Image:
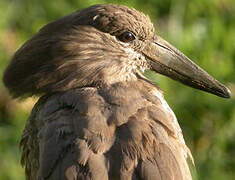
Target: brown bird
{"x":98,"y":117}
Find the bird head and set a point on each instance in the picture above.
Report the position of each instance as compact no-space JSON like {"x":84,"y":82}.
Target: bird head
{"x":100,"y":45}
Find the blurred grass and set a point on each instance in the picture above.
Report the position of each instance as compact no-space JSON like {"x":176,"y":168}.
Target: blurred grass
{"x":203,"y":30}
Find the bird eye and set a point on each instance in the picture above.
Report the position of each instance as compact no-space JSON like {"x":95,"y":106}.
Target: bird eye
{"x":126,"y":36}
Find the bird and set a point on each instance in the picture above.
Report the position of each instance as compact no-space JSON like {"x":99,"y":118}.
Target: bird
{"x":98,"y":117}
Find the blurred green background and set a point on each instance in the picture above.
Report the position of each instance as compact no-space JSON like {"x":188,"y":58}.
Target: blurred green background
{"x":203,"y":29}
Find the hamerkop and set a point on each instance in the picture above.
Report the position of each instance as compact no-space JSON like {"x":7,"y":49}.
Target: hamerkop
{"x":98,"y":117}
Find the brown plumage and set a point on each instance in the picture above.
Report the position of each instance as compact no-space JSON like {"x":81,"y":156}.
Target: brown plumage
{"x":98,"y":117}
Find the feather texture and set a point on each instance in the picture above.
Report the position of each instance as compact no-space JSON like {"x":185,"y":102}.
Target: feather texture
{"x":118,"y":132}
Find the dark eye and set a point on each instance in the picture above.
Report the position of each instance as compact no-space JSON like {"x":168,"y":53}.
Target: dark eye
{"x":126,"y":36}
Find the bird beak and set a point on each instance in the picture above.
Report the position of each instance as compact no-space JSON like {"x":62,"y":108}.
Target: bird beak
{"x":167,"y":60}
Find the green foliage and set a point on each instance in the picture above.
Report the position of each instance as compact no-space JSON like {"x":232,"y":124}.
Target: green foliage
{"x":203,"y":30}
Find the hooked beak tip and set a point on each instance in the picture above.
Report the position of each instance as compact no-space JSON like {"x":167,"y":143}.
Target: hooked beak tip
{"x":227,"y":93}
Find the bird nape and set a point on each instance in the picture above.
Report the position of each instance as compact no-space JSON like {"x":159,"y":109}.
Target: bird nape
{"x":98,"y":116}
